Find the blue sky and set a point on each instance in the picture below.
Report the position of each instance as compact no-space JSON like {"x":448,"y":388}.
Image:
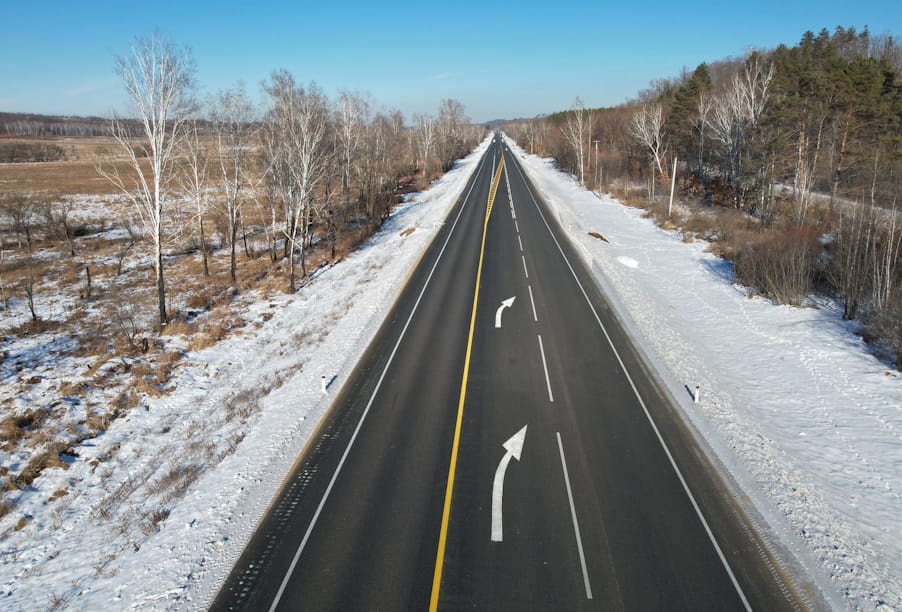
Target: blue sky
{"x":501,"y":59}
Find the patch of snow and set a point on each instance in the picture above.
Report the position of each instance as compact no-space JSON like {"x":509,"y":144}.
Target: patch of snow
{"x":629,"y":262}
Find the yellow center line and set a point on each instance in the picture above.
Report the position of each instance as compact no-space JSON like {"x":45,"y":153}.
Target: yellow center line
{"x":446,"y":512}
{"x":496,"y":180}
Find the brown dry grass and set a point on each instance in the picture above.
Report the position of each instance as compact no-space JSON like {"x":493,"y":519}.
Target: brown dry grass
{"x":98,"y":363}
{"x":205,"y":340}
{"x":58,"y":494}
{"x":75,"y":175}
{"x":150,"y":376}
{"x":15,"y":427}
{"x":11,"y":432}
{"x":178,"y":326}
{"x":41,"y":460}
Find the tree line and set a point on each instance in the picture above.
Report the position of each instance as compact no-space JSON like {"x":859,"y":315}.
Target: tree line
{"x":32,"y":125}
{"x":802,"y":143}
{"x":315,"y":167}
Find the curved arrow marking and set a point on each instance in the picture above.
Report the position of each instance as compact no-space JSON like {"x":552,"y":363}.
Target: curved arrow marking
{"x":505,"y":304}
{"x":514,"y":446}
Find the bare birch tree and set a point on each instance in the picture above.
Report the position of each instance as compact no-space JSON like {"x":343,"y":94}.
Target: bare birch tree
{"x":302,"y":116}
{"x":725,"y":121}
{"x":736,"y":111}
{"x":450,"y":125}
{"x":383,"y":155}
{"x":231,"y":117}
{"x":158,"y":78}
{"x":578,"y":131}
{"x":426,"y":139}
{"x":886,"y":258}
{"x":192,"y":179}
{"x":350,"y":122}
{"x":647,"y":127}
{"x":276,"y":176}
{"x":852,"y":256}
{"x":703,"y":108}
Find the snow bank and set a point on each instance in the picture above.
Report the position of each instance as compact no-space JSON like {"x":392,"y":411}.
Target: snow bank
{"x":808,"y":422}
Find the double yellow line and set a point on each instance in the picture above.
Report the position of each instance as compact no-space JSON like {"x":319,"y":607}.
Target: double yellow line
{"x":449,"y":489}
{"x":496,"y":180}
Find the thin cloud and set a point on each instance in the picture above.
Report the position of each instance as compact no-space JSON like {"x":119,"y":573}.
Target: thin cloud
{"x":88,"y":87}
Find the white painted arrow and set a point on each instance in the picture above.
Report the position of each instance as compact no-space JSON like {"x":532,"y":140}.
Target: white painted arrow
{"x":514,"y":446}
{"x":505,"y":304}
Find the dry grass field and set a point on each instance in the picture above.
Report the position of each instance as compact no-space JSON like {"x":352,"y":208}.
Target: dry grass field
{"x":74,"y":176}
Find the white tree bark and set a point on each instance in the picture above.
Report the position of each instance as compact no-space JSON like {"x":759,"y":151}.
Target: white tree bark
{"x":231,"y":117}
{"x":192,"y":180}
{"x":736,"y":110}
{"x":451,"y":123}
{"x":886,"y":258}
{"x":158,"y":78}
{"x":704,"y":106}
{"x":426,"y":137}
{"x":351,"y":120}
{"x":578,"y":131}
{"x":302,"y":118}
{"x":647,"y":127}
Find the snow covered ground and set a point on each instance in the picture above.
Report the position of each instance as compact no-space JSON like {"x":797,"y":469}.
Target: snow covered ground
{"x":808,"y":422}
{"x":157,"y":508}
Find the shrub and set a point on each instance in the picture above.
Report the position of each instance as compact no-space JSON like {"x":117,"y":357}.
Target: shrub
{"x":25,"y":152}
{"x":243,"y":404}
{"x":778,"y":264}
{"x":884,"y":327}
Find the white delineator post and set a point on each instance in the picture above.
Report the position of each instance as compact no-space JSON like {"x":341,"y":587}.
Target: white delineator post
{"x":697,"y":392}
{"x":672,"y":185}
{"x":323,"y":381}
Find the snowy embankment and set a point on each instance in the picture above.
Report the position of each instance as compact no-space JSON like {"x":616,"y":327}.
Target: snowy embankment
{"x":807,"y":421}
{"x":158,"y":508}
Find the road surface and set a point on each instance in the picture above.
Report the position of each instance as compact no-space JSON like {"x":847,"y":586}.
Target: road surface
{"x":501,"y":445}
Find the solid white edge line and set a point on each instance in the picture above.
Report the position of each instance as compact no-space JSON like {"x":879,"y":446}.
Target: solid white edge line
{"x":369,"y":404}
{"x":545,"y":365}
{"x":535,"y":315}
{"x":654,"y":426}
{"x":579,"y":540}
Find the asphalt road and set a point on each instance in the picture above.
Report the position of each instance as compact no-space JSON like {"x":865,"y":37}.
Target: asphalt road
{"x":408,"y":497}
